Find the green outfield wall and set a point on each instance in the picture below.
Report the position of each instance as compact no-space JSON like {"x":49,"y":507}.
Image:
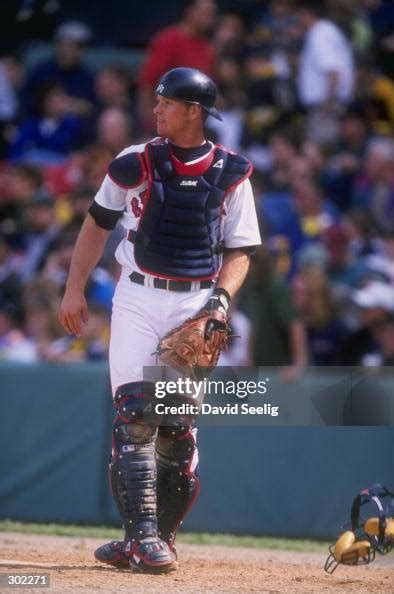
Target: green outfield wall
{"x":55,"y":435}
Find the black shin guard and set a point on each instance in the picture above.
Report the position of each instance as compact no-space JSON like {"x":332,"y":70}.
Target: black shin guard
{"x":133,"y":483}
{"x":177,"y":481}
{"x":133,"y":466}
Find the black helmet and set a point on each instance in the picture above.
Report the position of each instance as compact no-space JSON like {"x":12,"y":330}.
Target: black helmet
{"x":190,"y":85}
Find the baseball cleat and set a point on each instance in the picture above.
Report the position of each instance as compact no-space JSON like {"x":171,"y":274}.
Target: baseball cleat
{"x":151,"y":555}
{"x":113,"y":553}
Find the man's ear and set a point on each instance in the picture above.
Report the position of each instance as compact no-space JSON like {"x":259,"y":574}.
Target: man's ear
{"x":196,"y":111}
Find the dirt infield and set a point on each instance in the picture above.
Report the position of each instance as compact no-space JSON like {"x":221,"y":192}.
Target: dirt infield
{"x":203,"y":569}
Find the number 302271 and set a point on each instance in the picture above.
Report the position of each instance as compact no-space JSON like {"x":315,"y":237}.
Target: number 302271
{"x":27,"y":579}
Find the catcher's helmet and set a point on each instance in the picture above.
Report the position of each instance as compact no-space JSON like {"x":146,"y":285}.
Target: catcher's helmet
{"x":190,"y":85}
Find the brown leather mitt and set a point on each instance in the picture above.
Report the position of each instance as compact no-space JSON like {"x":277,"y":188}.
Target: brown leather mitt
{"x":194,"y":347}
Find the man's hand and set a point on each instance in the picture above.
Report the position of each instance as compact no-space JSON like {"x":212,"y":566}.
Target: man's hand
{"x":87,"y":252}
{"x":217,"y":306}
{"x":73,"y":312}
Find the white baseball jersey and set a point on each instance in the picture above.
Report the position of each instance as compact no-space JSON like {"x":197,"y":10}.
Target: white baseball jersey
{"x":143,"y":314}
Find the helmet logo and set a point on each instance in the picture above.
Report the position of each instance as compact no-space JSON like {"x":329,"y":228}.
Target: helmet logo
{"x":160,"y":88}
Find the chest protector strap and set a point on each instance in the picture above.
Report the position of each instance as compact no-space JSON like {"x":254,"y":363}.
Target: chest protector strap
{"x":180,"y":230}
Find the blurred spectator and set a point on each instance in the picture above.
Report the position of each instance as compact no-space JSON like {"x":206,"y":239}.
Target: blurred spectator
{"x":66,"y":68}
{"x":375,"y":91}
{"x":278,"y":335}
{"x":381,"y":16}
{"x":345,"y":161}
{"x":381,"y":261}
{"x":283,"y":149}
{"x":375,"y":302}
{"x":346,"y":14}
{"x":8,"y":100}
{"x":363,"y":239}
{"x":326,"y":71}
{"x":42,"y":329}
{"x":93,"y":166}
{"x":11,"y":289}
{"x":278,"y":26}
{"x":183,"y":44}
{"x":14,"y":345}
{"x":343,"y":268}
{"x":302,"y":218}
{"x":230,"y":35}
{"x":231,"y":102}
{"x":41,"y":234}
{"x":21,"y":183}
{"x":52,"y":134}
{"x":112,"y":85}
{"x":114,"y":130}
{"x":78,"y":203}
{"x":374,"y":187}
{"x":302,"y":168}
{"x":316,"y":307}
{"x":270,"y":96}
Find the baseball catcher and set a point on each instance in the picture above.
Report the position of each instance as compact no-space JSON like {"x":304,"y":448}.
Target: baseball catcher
{"x":188,"y":210}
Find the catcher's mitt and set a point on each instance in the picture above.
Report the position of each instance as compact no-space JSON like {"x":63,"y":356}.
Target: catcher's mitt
{"x":194,"y":347}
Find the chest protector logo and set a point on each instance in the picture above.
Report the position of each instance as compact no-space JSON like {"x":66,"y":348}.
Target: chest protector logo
{"x":179,"y":234}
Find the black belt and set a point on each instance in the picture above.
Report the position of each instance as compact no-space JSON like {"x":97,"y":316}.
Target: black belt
{"x":171,"y":285}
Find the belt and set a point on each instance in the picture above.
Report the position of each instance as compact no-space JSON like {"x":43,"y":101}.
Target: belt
{"x":170,"y":285}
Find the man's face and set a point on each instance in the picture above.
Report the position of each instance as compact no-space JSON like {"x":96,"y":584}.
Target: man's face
{"x":68,"y":53}
{"x":172,"y":117}
{"x":202,"y":15}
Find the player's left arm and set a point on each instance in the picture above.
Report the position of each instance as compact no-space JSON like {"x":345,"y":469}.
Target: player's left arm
{"x":233,"y":272}
{"x":241,"y":234}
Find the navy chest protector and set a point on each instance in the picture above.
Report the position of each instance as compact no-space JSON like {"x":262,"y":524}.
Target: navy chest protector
{"x":179,"y":235}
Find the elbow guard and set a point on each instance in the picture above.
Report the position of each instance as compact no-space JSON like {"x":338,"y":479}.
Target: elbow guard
{"x":104,"y":217}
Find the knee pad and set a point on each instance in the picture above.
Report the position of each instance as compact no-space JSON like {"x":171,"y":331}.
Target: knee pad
{"x":177,"y":445}
{"x":129,"y":428}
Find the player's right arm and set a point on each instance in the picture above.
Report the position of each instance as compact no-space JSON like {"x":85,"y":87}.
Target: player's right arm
{"x":104,"y":213}
{"x":87,"y":252}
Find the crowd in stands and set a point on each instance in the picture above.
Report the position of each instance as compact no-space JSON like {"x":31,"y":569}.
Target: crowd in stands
{"x":306,"y":92}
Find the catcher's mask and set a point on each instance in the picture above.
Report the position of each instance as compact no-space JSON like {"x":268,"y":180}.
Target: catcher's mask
{"x":190,"y":85}
{"x":369,"y":533}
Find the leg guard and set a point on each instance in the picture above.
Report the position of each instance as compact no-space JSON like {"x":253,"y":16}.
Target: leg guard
{"x":177,"y":481}
{"x":133,"y":466}
{"x":132,"y":473}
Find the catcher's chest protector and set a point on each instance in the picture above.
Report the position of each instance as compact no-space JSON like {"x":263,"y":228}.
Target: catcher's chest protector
{"x":179,"y":235}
